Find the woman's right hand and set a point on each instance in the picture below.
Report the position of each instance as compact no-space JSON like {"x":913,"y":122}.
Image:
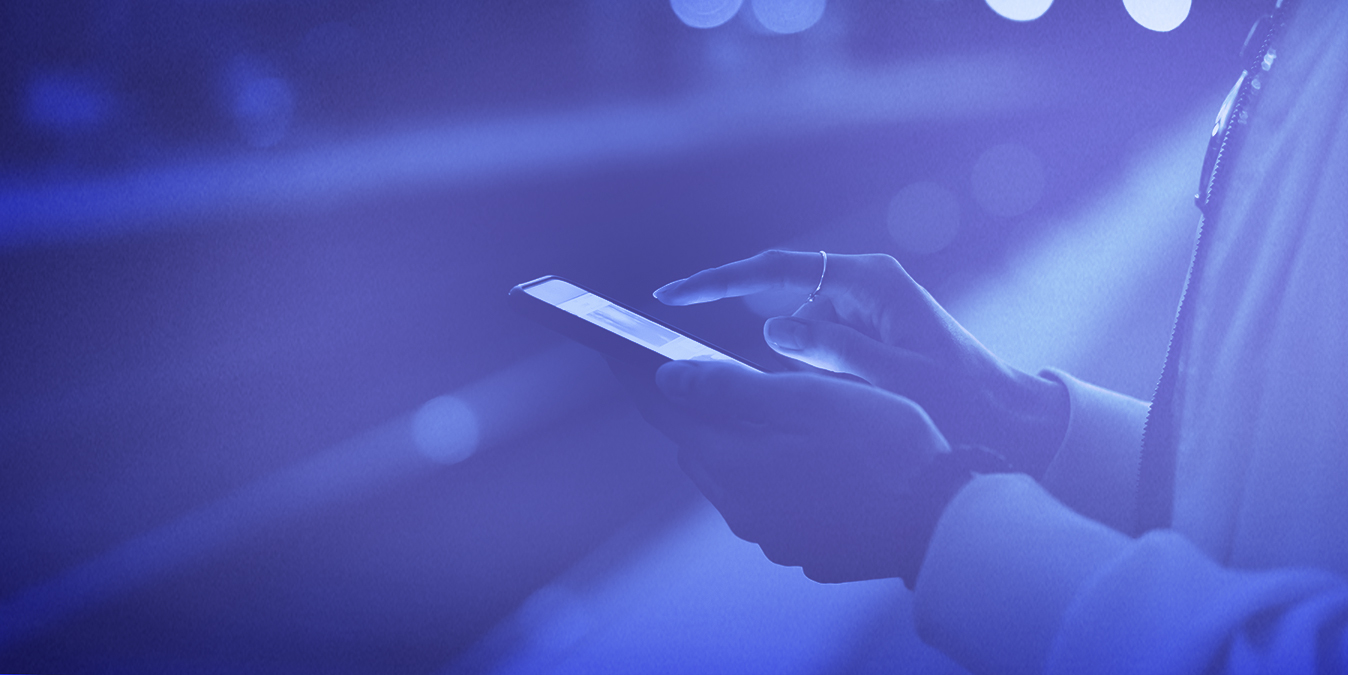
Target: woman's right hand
{"x":870,"y":319}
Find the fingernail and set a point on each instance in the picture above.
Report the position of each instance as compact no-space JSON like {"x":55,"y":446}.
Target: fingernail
{"x":667,"y":288}
{"x":785,"y":333}
{"x":675,"y":378}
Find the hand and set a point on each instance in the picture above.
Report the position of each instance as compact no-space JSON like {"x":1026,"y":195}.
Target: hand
{"x":816,"y":470}
{"x":873,"y":321}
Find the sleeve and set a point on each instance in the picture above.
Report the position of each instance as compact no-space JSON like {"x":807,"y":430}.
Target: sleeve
{"x":1095,"y":469}
{"x":1015,"y":583}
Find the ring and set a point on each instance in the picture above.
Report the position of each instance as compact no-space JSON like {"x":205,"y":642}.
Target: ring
{"x":819,"y":285}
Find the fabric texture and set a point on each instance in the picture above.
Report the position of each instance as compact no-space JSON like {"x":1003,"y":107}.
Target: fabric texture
{"x":1024,"y":577}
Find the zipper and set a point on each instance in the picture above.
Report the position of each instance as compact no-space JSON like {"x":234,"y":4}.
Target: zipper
{"x":1156,"y":466}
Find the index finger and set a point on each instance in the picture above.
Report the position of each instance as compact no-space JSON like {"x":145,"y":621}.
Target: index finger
{"x":767,"y":271}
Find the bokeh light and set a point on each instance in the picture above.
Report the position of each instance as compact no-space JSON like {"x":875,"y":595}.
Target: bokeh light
{"x":446,"y":430}
{"x":705,"y":13}
{"x":788,"y":16}
{"x":1158,"y":15}
{"x":263,"y":108}
{"x":1020,"y":10}
{"x":66,"y":101}
{"x":924,"y":217}
{"x":1008,"y":179}
{"x":261,"y":103}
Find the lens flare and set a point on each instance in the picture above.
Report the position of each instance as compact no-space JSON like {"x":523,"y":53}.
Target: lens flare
{"x":1020,"y":10}
{"x":788,"y":16}
{"x":1158,"y":15}
{"x":446,"y":429}
{"x":705,"y":13}
{"x":924,"y":217}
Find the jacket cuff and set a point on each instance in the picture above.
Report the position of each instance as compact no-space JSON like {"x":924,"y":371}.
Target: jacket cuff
{"x":1165,"y":607}
{"x":1003,"y":566}
{"x":1095,"y":469}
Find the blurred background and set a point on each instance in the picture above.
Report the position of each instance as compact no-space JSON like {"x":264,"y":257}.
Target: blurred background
{"x":264,"y":406}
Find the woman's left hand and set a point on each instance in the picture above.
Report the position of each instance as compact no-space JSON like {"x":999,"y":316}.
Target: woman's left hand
{"x":813,"y":469}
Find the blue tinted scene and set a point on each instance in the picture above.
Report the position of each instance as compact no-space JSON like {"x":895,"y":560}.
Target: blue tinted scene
{"x":265,"y":407}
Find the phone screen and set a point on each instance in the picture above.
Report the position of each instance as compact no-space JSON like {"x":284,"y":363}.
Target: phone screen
{"x":621,"y":321}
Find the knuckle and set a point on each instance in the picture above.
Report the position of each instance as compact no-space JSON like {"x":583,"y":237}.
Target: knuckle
{"x":775,"y":264}
{"x":867,"y":268}
{"x":741,"y":527}
{"x":820,"y":574}
{"x":885,"y":265}
{"x":785,"y":556}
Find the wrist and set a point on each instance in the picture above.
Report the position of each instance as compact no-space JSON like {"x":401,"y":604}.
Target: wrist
{"x":1028,"y":420}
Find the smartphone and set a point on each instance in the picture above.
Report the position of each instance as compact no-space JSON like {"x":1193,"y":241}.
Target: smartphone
{"x":610,"y":327}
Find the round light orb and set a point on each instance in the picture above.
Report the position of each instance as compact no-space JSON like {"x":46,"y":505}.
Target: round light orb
{"x":705,"y":13}
{"x":1020,"y":10}
{"x":1158,"y":15}
{"x":66,"y":102}
{"x":446,"y":430}
{"x":923,"y":217}
{"x":263,"y":108}
{"x":788,"y":16}
{"x":1007,"y":179}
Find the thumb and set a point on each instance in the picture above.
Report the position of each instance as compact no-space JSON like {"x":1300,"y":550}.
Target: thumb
{"x":833,"y":346}
{"x":718,"y":390}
